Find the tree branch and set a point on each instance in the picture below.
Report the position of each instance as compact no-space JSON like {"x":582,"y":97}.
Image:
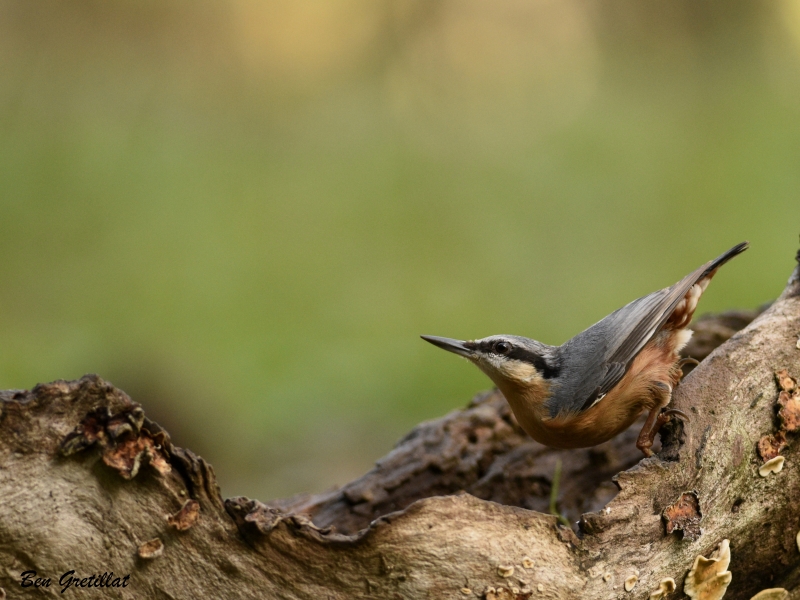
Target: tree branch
{"x":457,"y":509}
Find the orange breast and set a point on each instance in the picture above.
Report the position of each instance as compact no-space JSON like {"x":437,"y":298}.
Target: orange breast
{"x":656,"y":363}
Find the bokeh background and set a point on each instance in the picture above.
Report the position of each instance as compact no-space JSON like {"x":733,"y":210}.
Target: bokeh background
{"x":244,"y":212}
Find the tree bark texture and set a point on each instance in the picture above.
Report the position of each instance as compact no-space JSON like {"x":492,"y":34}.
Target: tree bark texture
{"x":459,"y":509}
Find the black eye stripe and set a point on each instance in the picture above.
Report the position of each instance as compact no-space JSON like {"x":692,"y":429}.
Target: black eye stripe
{"x":537,"y":361}
{"x":515,"y":352}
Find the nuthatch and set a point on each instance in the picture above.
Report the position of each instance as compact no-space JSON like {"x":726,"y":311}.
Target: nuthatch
{"x":596,"y":385}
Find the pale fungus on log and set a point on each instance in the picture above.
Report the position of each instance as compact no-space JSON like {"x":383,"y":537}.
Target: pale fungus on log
{"x":774,"y":465}
{"x":505,"y":570}
{"x":506,"y":593}
{"x":85,"y":476}
{"x":709,"y":578}
{"x":772,"y":594}
{"x":665,"y":587}
{"x":152,"y":549}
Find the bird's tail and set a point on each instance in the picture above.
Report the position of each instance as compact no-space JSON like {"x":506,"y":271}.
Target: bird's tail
{"x":715,"y":264}
{"x":695,"y":284}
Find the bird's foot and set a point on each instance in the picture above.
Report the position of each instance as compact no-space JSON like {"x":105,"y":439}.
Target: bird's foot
{"x":666,"y":414}
{"x":645,"y":448}
{"x":656,"y":418}
{"x":688,"y":361}
{"x":679,"y":375}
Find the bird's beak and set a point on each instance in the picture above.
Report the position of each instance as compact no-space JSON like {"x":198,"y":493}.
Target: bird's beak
{"x":455,"y":346}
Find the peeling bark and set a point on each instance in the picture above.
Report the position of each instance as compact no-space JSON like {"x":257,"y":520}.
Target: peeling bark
{"x":457,"y":510}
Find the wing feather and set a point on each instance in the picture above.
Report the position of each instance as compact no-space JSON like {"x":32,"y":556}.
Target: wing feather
{"x":605,"y":350}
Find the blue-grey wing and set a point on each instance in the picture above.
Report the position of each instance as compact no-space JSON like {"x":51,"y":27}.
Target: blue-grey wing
{"x":603,"y":352}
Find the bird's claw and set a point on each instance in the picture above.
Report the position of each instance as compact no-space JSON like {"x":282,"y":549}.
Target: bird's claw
{"x":666,"y":414}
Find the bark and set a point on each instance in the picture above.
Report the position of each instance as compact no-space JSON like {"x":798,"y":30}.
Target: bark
{"x":459,"y":509}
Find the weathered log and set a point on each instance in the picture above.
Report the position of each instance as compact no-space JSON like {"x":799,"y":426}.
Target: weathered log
{"x":456,"y":510}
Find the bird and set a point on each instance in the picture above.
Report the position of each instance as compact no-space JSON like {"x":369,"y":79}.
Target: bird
{"x":597,"y":384}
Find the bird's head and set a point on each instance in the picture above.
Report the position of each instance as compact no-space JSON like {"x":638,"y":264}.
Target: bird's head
{"x":510,"y":361}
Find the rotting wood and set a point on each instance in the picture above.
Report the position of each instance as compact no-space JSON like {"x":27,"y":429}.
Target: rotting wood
{"x":455,"y":506}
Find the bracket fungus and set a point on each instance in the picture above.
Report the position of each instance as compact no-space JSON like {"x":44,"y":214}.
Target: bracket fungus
{"x":788,"y":401}
{"x":152,"y":549}
{"x":771,"y":445}
{"x":666,"y":587}
{"x":709,"y":578}
{"x":505,"y":570}
{"x":786,"y":382}
{"x":504,"y":593}
{"x":630,"y":583}
{"x":771,"y":594}
{"x":186,"y":517}
{"x":774,"y":465}
{"x":127,"y":440}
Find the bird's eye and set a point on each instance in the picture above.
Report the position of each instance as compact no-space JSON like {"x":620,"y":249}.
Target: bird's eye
{"x":502,"y":347}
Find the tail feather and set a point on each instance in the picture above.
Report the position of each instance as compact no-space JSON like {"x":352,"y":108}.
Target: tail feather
{"x":682,"y":314}
{"x":723,"y":258}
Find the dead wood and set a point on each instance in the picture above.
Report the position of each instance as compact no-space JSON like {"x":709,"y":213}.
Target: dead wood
{"x":457,"y":510}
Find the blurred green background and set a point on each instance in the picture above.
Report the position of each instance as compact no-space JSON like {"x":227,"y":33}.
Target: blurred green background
{"x":243,"y":213}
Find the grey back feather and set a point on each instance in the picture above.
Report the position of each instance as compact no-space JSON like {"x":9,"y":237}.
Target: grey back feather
{"x":595,"y":360}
